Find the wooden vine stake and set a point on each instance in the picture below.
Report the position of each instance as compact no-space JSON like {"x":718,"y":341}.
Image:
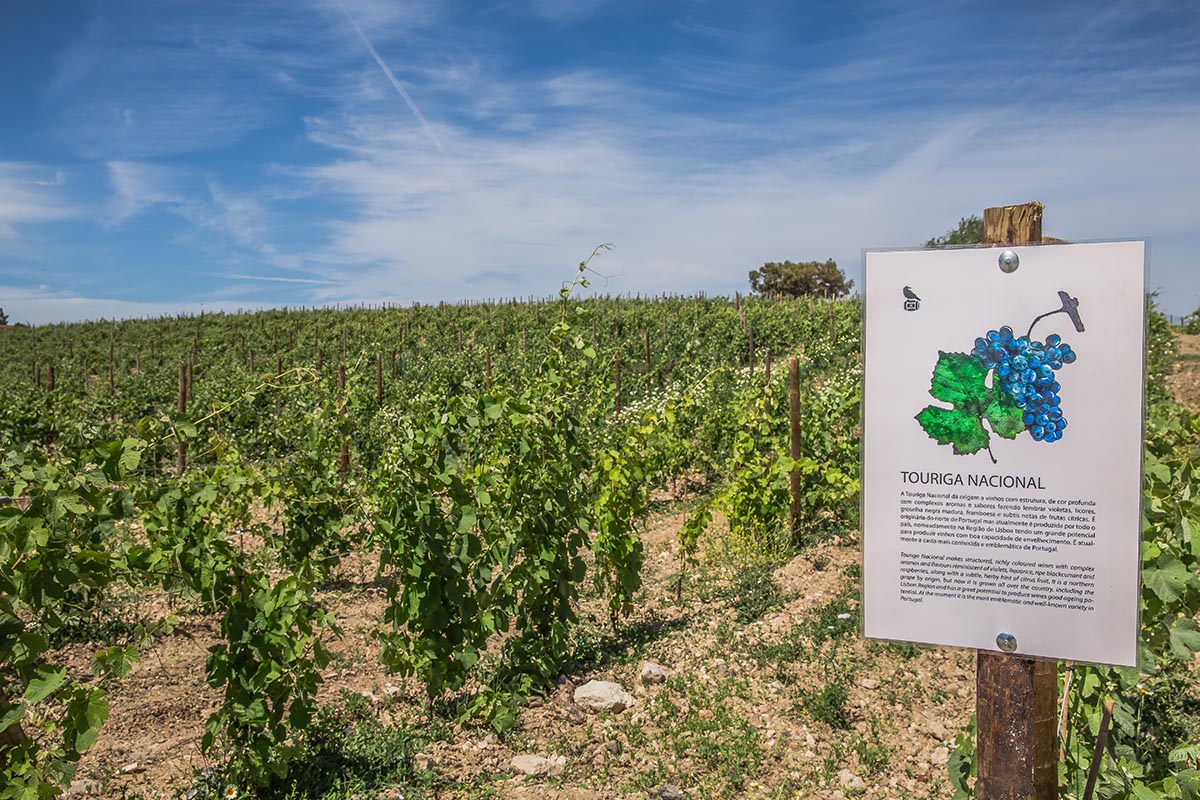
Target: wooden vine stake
{"x":1015,"y":696}
{"x":344,"y":453}
{"x":618,"y":382}
{"x":794,"y":425}
{"x":379,"y":378}
{"x":180,"y":445}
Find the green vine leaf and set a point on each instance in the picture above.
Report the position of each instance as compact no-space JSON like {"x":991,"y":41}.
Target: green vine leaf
{"x":1003,"y":415}
{"x":959,"y":379}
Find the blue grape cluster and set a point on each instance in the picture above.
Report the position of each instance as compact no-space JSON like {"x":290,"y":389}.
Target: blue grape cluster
{"x":1026,"y":369}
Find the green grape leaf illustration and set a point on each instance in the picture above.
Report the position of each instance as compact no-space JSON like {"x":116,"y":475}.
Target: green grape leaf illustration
{"x":960,"y":380}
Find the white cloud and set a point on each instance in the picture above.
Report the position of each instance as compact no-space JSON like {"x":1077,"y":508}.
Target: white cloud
{"x":26,"y":197}
{"x":44,"y":305}
{"x":511,"y":216}
{"x":137,"y":187}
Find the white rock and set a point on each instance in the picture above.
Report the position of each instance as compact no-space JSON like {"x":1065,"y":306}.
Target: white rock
{"x":937,"y":730}
{"x":603,"y":696}
{"x":537,"y":765}
{"x":86,"y":787}
{"x":653,"y":673}
{"x":849,"y":780}
{"x":869,"y":683}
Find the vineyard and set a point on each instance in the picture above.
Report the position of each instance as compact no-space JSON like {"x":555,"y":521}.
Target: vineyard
{"x":373,"y":552}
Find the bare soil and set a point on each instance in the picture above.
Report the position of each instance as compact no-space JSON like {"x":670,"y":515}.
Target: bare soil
{"x":734,"y":719}
{"x":1185,"y":382}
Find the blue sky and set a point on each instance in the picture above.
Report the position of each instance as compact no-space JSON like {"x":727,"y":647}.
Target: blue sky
{"x":158,"y":157}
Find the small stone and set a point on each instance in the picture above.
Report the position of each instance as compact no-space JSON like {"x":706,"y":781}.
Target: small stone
{"x":537,"y":765}
{"x":667,"y":791}
{"x":132,"y":768}
{"x":85,"y":786}
{"x":394,"y":692}
{"x":422,"y":761}
{"x":849,"y":780}
{"x":653,"y":673}
{"x":603,"y":696}
{"x":869,"y":683}
{"x":940,"y":756}
{"x":574,"y":714}
{"x":937,"y":730}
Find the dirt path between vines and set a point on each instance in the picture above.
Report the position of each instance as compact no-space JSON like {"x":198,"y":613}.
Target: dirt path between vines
{"x":770,"y":693}
{"x":1185,"y":382}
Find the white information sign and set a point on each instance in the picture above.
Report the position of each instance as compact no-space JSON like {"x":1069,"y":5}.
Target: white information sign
{"x":1002,"y":448}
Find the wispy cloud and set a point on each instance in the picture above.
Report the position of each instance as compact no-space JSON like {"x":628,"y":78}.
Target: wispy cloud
{"x":339,"y":150}
{"x":41,"y":305}
{"x":26,"y":199}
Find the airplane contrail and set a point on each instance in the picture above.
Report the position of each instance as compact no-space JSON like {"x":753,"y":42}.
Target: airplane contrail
{"x":399,"y":87}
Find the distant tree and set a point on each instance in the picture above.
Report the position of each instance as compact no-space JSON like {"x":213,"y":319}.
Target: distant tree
{"x":805,"y":278}
{"x":3,"y":317}
{"x":969,"y":231}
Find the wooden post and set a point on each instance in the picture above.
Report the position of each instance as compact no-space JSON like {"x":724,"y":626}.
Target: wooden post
{"x":832,"y":335}
{"x":344,"y":454}
{"x":50,"y":378}
{"x":278,"y":366}
{"x":794,"y":431}
{"x":252,"y":359}
{"x":181,"y":446}
{"x":1015,"y":697}
{"x":751,"y":330}
{"x":320,"y":359}
{"x":379,"y":378}
{"x":618,"y":381}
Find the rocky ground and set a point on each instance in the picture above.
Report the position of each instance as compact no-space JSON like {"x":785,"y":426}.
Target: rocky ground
{"x":1185,"y":383}
{"x":755,"y":684}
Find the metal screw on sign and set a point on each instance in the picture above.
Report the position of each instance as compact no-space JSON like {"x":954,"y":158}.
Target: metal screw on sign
{"x":1009,"y":261}
{"x":1007,"y":642}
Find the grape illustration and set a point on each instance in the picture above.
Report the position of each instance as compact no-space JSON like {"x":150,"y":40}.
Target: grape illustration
{"x":1024,"y":390}
{"x":1026,"y":370}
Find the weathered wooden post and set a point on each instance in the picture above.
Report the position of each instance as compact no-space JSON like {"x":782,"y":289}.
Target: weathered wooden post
{"x":1015,"y":696}
{"x":618,"y":382}
{"x":181,"y":405}
{"x":379,"y":378}
{"x":794,"y":430}
{"x":344,"y":453}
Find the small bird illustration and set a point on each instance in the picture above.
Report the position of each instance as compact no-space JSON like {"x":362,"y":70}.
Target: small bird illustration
{"x":910,"y":294}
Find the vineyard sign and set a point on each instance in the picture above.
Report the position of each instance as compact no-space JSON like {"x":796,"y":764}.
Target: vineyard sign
{"x":1002,"y":448}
